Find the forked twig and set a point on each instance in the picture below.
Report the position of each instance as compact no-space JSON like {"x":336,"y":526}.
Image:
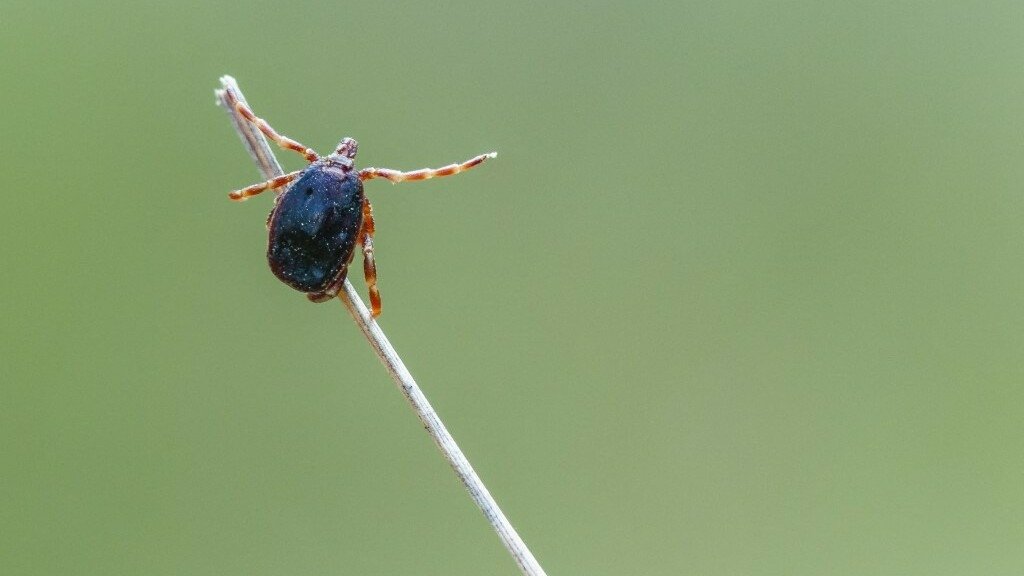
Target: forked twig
{"x":264,"y":157}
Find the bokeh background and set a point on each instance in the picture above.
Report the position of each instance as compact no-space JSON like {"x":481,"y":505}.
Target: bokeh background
{"x":743,"y":292}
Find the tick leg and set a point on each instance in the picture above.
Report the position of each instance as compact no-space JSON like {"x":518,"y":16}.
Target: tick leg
{"x":281,"y":140}
{"x":271,"y":184}
{"x":424,"y":173}
{"x":369,"y":264}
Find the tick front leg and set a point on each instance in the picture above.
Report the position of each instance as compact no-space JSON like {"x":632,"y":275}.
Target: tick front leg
{"x":424,"y":173}
{"x":369,"y":264}
{"x":281,"y":140}
{"x":272,"y":184}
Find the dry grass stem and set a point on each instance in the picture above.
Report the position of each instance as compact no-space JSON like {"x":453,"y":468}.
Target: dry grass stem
{"x":263,"y":155}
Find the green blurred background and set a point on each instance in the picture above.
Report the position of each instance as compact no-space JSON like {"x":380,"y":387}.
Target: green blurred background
{"x":743,"y":292}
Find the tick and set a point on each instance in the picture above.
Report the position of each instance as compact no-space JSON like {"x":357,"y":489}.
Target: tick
{"x":322,"y":214}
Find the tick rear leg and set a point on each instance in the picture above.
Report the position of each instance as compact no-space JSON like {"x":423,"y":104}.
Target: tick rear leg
{"x":272,"y":184}
{"x":281,"y":140}
{"x":397,"y":176}
{"x":369,"y":264}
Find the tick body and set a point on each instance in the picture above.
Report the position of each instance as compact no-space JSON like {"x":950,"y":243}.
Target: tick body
{"x":323,"y":215}
{"x":314,"y":228}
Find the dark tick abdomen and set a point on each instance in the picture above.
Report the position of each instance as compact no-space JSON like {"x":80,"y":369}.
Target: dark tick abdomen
{"x":313,"y":227}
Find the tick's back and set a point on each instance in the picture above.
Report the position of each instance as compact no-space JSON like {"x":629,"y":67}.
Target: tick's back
{"x":313,"y":227}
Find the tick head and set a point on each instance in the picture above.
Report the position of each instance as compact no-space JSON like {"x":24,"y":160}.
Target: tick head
{"x":345,"y":153}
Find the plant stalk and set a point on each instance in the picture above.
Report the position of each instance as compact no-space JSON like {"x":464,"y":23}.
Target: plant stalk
{"x":263,"y":155}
